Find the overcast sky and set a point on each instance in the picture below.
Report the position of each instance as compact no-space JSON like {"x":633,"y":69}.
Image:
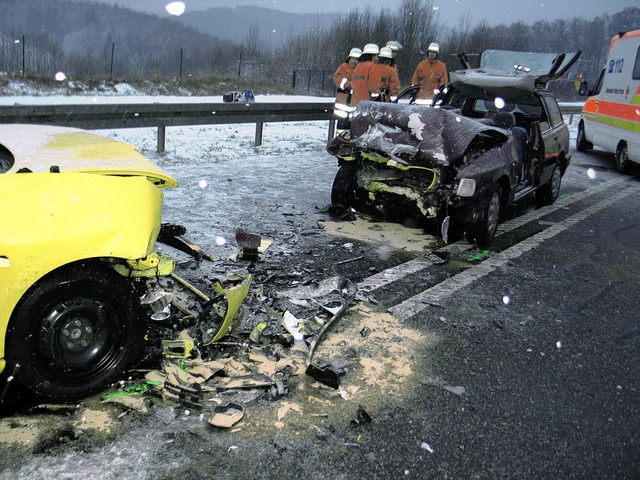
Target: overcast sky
{"x":494,"y":11}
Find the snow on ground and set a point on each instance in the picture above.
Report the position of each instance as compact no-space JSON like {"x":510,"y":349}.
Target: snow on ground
{"x":225,"y":182}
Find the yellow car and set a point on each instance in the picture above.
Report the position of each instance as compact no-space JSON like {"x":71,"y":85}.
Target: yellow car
{"x":80,"y":215}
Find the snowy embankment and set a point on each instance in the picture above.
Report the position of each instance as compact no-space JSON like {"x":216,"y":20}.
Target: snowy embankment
{"x":225,"y":181}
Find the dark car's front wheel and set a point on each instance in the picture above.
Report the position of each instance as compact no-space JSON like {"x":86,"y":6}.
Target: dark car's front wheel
{"x":548,"y":193}
{"x":76,"y":332}
{"x":482,"y":232}
{"x":343,"y":191}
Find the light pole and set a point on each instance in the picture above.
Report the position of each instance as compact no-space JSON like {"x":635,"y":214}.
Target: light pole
{"x":18,"y":42}
{"x":23,"y":61}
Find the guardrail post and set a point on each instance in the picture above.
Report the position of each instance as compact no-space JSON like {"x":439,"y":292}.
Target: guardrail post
{"x":161,"y":138}
{"x":258,"y":141}
{"x":332,"y":129}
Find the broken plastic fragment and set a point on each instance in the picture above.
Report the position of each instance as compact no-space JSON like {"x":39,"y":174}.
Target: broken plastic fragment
{"x":180,"y":348}
{"x":235,"y":296}
{"x":426,"y":446}
{"x":225,"y":416}
{"x":130,"y":402}
{"x":293,"y":326}
{"x":479,"y":256}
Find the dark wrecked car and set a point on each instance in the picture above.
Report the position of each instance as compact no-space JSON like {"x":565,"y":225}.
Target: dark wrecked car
{"x":489,"y":139}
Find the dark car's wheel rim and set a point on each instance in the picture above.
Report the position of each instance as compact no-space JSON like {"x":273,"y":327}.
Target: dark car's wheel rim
{"x":482,"y":232}
{"x":493,"y":214}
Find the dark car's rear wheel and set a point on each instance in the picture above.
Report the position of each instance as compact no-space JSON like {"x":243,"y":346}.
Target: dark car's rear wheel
{"x":76,"y":332}
{"x":623,"y":164}
{"x":484,"y":230}
{"x":548,"y":193}
{"x":581,"y":141}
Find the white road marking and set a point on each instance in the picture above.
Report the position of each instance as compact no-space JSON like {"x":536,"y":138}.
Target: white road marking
{"x":436,"y":294}
{"x":398,"y":272}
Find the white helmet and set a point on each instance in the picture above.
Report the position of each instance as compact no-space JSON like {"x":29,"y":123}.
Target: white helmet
{"x":394,"y":45}
{"x":371,"y":48}
{"x":433,"y":47}
{"x":355,"y":53}
{"x":385,"y":52}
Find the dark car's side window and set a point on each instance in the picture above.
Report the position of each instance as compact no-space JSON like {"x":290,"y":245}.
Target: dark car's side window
{"x":553,"y":110}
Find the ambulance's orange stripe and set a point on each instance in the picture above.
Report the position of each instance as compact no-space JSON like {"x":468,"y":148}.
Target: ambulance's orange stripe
{"x":620,"y":111}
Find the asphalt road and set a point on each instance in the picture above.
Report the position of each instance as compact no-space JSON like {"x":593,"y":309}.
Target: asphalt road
{"x":527,"y":365}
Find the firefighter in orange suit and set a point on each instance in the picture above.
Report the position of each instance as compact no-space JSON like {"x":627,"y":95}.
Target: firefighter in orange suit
{"x":395,"y":47}
{"x":342,"y":80}
{"x":364,"y":81}
{"x":386,"y":76}
{"x":430,"y":73}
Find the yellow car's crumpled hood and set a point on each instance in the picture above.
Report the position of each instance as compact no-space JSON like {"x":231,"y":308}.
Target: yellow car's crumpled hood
{"x":39,"y":147}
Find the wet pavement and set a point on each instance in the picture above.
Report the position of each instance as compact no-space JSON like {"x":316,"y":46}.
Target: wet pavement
{"x":517,"y":362}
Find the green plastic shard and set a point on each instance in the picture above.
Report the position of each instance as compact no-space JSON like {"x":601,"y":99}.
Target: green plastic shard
{"x":479,"y":256}
{"x":235,"y":296}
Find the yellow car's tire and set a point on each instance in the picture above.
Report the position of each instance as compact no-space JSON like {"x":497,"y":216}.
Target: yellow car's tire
{"x":75,"y":332}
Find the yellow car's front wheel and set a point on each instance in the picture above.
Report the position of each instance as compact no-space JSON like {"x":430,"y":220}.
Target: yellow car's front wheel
{"x":76,"y":331}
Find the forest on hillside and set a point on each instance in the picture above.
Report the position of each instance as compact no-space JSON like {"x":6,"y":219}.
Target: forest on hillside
{"x":86,"y":40}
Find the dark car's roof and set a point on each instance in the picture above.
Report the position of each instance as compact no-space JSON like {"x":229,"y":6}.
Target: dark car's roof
{"x":515,"y":76}
{"x":479,"y":84}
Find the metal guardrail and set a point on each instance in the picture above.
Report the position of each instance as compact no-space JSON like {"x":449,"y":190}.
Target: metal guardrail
{"x":162,"y":115}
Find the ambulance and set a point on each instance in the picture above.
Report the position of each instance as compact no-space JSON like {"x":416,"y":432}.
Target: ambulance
{"x":611,"y":115}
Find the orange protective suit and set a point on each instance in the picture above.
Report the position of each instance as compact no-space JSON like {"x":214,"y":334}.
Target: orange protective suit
{"x":387,"y":80}
{"x":429,"y":74}
{"x":342,"y":80}
{"x":364,"y":82}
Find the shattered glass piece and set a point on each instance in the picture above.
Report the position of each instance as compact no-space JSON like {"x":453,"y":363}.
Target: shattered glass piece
{"x":454,"y":389}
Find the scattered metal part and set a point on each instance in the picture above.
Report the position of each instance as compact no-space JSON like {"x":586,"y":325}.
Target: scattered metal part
{"x":324,"y":375}
{"x":349,"y":260}
{"x":169,"y":234}
{"x":362,"y":417}
{"x":187,"y":285}
{"x":249,"y":244}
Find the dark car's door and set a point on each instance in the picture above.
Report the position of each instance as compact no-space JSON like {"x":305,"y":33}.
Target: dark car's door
{"x":555,"y":135}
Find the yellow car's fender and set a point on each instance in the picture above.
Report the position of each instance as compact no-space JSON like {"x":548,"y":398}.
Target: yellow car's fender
{"x":52,"y":219}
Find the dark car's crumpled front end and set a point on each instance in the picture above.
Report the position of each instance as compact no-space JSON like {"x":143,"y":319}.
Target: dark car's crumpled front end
{"x":409,"y":160}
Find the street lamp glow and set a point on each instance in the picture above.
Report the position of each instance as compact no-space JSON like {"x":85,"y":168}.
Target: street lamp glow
{"x":175,"y":8}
